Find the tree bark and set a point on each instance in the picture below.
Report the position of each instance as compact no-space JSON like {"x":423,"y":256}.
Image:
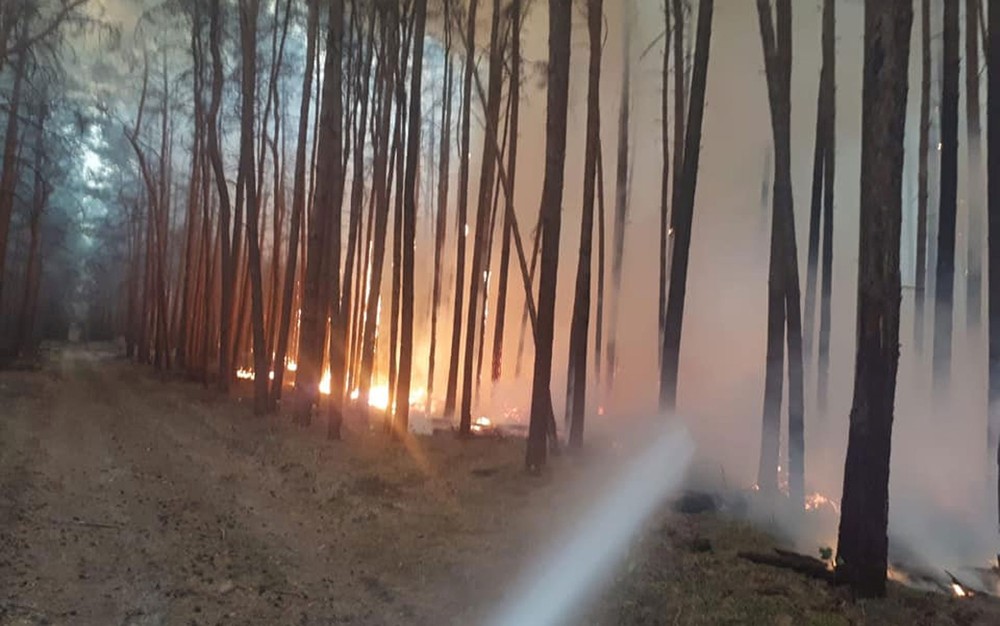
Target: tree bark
{"x":463,"y":204}
{"x":944,"y":283}
{"x":974,"y":277}
{"x":444,"y":170}
{"x":577,"y":379}
{"x":993,"y":229}
{"x":922,"y":174}
{"x":560,"y":26}
{"x":684,"y":212}
{"x":862,"y":540}
{"x":486,"y":182}
{"x":402,"y":416}
{"x":621,"y":193}
{"x":298,"y":206}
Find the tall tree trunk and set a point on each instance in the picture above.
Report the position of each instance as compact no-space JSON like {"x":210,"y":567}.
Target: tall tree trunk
{"x":621,"y":192}
{"x":8,"y":175}
{"x":829,"y":164}
{"x":993,"y":226}
{"x":249,"y":12}
{"x":215,"y":155}
{"x":513,"y":119}
{"x":922,"y":175}
{"x":24,"y":340}
{"x":684,"y":211}
{"x":389,"y":64}
{"x":298,"y":205}
{"x":329,"y":197}
{"x":463,"y":207}
{"x":816,"y":204}
{"x":944,"y":283}
{"x":579,"y":327}
{"x":783,"y":289}
{"x":974,"y":276}
{"x":862,"y":542}
{"x":665,"y":231}
{"x":486,"y":182}
{"x":560,"y":26}
{"x":402,"y":416}
{"x":444,"y":169}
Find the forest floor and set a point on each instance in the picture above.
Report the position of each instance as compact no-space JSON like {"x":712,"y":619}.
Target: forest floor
{"x":129,"y":499}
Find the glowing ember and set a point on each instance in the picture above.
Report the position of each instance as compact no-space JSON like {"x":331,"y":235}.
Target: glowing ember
{"x":959,"y":591}
{"x":481,"y":424}
{"x":600,"y":410}
{"x":817,"y":501}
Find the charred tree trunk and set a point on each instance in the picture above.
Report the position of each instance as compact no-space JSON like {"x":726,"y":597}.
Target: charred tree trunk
{"x":560,"y":25}
{"x":463,"y":204}
{"x":944,"y":283}
{"x":577,"y":379}
{"x":684,"y":211}
{"x":401,"y":421}
{"x":862,"y":541}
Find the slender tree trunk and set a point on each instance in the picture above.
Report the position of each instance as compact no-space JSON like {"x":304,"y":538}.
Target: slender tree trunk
{"x":8,"y":175}
{"x":922,"y":175}
{"x":862,"y":542}
{"x":463,"y":204}
{"x":444,"y":169}
{"x":944,"y":283}
{"x":621,"y":192}
{"x":514,"y":117}
{"x":249,"y":12}
{"x":391,"y":31}
{"x":402,"y":416}
{"x":829,"y":164}
{"x":486,"y":181}
{"x":298,"y":205}
{"x":684,"y":211}
{"x":560,"y":26}
{"x":974,"y":277}
{"x":665,"y":230}
{"x":993,"y":226}
{"x":24,"y":341}
{"x":215,"y":155}
{"x":783,"y":290}
{"x":330,"y":194}
{"x":579,"y":327}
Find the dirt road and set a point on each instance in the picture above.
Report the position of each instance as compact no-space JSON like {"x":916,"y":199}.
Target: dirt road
{"x":124,"y":500}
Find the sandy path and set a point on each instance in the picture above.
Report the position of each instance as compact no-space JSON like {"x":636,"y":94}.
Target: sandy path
{"x":123,"y":503}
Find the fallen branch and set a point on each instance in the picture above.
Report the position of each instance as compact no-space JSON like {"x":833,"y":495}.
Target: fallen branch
{"x":79,"y":522}
{"x":807,"y":565}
